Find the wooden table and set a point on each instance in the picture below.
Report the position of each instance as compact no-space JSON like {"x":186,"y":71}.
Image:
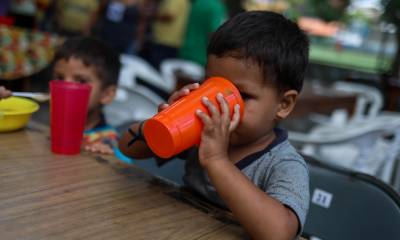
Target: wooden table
{"x":47,"y":196}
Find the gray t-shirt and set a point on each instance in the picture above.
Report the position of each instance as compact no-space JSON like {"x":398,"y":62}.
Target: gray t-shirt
{"x":278,"y":170}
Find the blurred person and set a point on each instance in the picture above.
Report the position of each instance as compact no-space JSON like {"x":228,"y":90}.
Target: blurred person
{"x":116,"y":23}
{"x":87,"y":60}
{"x":24,"y":13}
{"x":168,"y":30}
{"x":204,"y":18}
{"x":72,"y":17}
{"x":46,"y":15}
{"x":148,"y":9}
{"x":323,"y":18}
{"x":4,"y":6}
{"x":42,"y":15}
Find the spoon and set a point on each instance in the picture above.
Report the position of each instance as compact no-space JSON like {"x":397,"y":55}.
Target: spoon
{"x":40,"y":97}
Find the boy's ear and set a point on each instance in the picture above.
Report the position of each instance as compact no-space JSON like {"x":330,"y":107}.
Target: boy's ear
{"x":287,"y":103}
{"x":108,"y":95}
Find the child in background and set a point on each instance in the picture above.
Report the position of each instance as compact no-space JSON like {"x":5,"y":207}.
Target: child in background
{"x":168,"y":29}
{"x":87,"y":60}
{"x":4,"y":93}
{"x":248,"y":164}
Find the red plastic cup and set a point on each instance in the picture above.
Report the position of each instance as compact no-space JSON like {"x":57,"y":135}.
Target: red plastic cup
{"x":68,"y":111}
{"x":177,"y":127}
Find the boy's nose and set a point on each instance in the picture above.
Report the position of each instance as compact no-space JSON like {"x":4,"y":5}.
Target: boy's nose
{"x":68,"y":79}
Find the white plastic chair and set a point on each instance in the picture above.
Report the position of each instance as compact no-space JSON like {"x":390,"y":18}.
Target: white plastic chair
{"x":134,"y":67}
{"x":359,"y":142}
{"x":369,"y":99}
{"x":134,"y":102}
{"x":361,"y":145}
{"x":132,"y":105}
{"x":169,"y":67}
{"x":369,"y":103}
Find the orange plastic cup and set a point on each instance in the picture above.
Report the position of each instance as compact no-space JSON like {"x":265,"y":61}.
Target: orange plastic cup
{"x":177,"y":127}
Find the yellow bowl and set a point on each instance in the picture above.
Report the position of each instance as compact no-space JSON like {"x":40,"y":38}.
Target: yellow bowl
{"x":15,"y":113}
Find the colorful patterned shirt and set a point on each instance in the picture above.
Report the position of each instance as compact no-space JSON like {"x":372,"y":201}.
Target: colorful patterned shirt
{"x":102,"y":132}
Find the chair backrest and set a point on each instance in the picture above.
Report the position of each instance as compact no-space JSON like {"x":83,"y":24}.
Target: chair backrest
{"x":370,"y":146}
{"x":132,"y":105}
{"x":169,"y":67}
{"x":369,"y":99}
{"x":135,"y":101}
{"x":350,"y":205}
{"x":134,"y":68}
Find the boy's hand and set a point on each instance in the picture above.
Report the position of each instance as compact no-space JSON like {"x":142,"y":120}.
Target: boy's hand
{"x":99,"y":147}
{"x":4,"y":93}
{"x":216,"y":130}
{"x":178,"y":94}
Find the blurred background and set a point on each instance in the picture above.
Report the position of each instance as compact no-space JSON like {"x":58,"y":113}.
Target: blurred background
{"x":347,"y":113}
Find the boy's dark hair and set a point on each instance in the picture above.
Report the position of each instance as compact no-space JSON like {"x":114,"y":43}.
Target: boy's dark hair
{"x":92,"y":52}
{"x":274,"y":42}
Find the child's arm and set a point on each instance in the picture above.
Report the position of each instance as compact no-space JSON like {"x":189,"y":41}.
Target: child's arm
{"x":4,"y":93}
{"x":139,"y":149}
{"x":261,"y":215}
{"x":99,"y":147}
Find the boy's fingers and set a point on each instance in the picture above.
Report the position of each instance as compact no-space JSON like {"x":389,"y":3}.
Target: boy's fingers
{"x":99,"y":148}
{"x":211,"y":107}
{"x":193,"y":86}
{"x":224,"y":107}
{"x":94,"y":147}
{"x":172,"y":98}
{"x":176,"y":95}
{"x":235,"y":118}
{"x":203,"y":117}
{"x":183,"y":92}
{"x":106,"y":149}
{"x":90,"y":149}
{"x":162,"y":106}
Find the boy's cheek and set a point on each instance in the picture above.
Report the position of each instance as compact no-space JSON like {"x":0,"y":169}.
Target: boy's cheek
{"x":235,"y":138}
